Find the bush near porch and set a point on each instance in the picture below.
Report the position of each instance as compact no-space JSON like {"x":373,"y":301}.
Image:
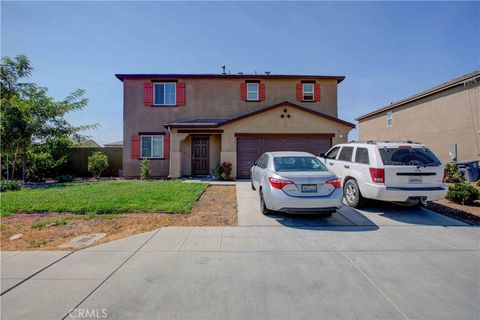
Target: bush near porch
{"x":105,"y":197}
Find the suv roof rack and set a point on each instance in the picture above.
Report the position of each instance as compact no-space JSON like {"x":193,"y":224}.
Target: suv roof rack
{"x":385,"y":141}
{"x":363,"y":141}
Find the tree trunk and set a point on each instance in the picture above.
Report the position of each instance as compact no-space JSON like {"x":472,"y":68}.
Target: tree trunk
{"x":24,"y":166}
{"x":14,"y":162}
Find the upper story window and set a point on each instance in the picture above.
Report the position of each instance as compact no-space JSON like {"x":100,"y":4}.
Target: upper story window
{"x":252,"y":91}
{"x":389,"y":118}
{"x":152,"y":146}
{"x":307,"y":92}
{"x":164,"y":93}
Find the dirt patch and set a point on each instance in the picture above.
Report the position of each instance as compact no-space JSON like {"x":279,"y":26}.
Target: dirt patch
{"x":217,"y":207}
{"x":467,"y":214}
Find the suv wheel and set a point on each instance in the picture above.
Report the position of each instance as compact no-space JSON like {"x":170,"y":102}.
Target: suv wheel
{"x":352,"y":194}
{"x":263,"y":206}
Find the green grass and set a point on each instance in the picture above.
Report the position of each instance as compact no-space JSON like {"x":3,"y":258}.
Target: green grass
{"x":43,"y":224}
{"x":105,"y":197}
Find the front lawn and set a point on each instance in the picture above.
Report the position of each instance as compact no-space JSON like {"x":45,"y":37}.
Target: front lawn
{"x":105,"y":197}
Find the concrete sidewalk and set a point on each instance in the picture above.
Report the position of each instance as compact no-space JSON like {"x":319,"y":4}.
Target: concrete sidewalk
{"x":343,"y":272}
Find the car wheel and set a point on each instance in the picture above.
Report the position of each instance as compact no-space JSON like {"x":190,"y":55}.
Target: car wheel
{"x":263,"y":206}
{"x":251,"y":185}
{"x":352,"y":195}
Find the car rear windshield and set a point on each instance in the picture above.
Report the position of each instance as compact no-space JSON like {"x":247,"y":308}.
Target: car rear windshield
{"x":407,"y":156}
{"x":285,"y":164}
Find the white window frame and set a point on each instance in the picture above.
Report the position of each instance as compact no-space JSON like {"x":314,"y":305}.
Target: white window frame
{"x":151,"y":136}
{"x":164,"y":93}
{"x":389,"y":118}
{"x":257,"y":91}
{"x":313,"y":91}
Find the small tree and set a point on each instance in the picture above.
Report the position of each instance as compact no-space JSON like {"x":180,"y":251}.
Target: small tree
{"x":145,"y":169}
{"x":97,"y":163}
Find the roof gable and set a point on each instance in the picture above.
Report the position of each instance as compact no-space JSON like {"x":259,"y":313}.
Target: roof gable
{"x":199,"y":123}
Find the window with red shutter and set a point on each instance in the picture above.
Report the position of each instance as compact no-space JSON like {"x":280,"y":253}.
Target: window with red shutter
{"x":317,"y":91}
{"x":299,"y":92}
{"x":148,"y":93}
{"x":243,"y":91}
{"x":135,"y":147}
{"x":261,"y":89}
{"x":180,"y":93}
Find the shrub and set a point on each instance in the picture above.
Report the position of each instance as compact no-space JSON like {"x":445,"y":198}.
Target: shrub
{"x":64,"y":178}
{"x":97,"y":163}
{"x":223,"y":171}
{"x":145,"y":169}
{"x":9,"y":185}
{"x":463,"y":193}
{"x":453,"y":174}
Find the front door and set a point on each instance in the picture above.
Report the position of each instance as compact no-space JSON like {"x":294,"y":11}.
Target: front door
{"x":200,"y":155}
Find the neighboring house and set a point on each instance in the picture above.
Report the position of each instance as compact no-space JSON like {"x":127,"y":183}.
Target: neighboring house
{"x":445,"y":117}
{"x":116,"y":144}
{"x":89,"y":143}
{"x":189,"y":123}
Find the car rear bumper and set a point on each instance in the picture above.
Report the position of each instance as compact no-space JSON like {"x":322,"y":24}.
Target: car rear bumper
{"x":278,"y":200}
{"x":380,"y":192}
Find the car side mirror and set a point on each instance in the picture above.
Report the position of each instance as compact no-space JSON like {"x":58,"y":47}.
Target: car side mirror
{"x":252,"y":163}
{"x":322,"y":155}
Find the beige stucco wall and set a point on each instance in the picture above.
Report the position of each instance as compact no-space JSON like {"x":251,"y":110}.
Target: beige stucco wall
{"x":451,"y":116}
{"x":205,"y":98}
{"x":271,"y":122}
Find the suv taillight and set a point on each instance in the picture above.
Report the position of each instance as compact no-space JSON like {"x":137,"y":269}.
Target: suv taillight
{"x":336,"y":183}
{"x":279,"y":183}
{"x":378,"y":175}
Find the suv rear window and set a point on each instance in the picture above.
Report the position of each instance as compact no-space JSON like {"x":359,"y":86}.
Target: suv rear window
{"x":408,"y":157}
{"x":286,"y":164}
{"x":361,"y":156}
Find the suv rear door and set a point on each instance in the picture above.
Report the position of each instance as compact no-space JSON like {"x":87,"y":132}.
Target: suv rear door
{"x":344,"y":160}
{"x":411,"y":167}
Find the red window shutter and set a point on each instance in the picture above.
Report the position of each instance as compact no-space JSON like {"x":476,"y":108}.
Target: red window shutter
{"x":316,"y":91}
{"x":299,"y":92}
{"x":243,"y":91}
{"x":148,"y":93}
{"x":166,"y":146}
{"x":180,"y":93}
{"x":261,"y":91}
{"x":135,"y":147}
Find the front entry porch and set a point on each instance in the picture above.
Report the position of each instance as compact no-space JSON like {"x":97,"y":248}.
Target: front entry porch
{"x":194,"y":153}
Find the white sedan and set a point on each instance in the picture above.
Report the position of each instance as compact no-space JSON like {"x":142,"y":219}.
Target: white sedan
{"x":295,"y":182}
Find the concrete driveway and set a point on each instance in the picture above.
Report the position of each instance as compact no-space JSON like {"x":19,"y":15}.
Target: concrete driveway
{"x":375,"y":215}
{"x":385,"y":266}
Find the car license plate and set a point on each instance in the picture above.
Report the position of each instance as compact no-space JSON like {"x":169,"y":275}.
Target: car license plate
{"x":309,"y":188}
{"x":415,"y":179}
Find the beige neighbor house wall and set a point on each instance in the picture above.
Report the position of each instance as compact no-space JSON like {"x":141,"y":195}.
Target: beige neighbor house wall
{"x":206,"y":98}
{"x":446,"y":117}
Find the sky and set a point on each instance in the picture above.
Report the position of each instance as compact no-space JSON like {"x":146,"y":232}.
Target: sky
{"x":386,"y":50}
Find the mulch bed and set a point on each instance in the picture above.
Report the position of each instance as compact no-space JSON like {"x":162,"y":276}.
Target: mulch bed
{"x":216,"y":207}
{"x":467,"y":214}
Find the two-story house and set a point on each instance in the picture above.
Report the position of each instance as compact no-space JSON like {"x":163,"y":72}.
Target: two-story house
{"x":188,"y":123}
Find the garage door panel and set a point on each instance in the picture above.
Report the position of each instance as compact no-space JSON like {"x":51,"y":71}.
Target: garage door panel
{"x":250,"y":148}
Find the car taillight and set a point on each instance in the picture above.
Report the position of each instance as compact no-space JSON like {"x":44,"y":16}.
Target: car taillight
{"x":444,"y":175}
{"x":279,"y":183}
{"x":378,"y":175}
{"x":336,"y":183}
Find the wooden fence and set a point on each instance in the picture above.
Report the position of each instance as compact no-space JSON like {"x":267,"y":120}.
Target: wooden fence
{"x":78,"y":161}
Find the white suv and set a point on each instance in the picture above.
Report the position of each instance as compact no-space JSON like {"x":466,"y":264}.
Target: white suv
{"x":405,"y":172}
